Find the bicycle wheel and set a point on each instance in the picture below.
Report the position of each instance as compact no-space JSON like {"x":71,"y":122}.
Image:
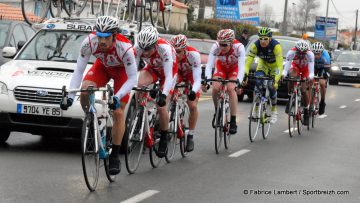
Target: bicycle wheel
{"x":254,"y":119}
{"x":292,"y":115}
{"x":55,"y":9}
{"x":89,"y":155}
{"x":300,"y":113}
{"x":219,"y":126}
{"x":35,"y":11}
{"x":315,"y":108}
{"x":108,"y":147}
{"x":226,"y":124}
{"x":154,"y":159}
{"x":97,"y":7}
{"x":166,"y":15}
{"x":135,"y":142}
{"x":136,"y":12}
{"x":173,"y":127}
{"x":74,"y":7}
{"x":265,"y":118}
{"x":184,"y":120}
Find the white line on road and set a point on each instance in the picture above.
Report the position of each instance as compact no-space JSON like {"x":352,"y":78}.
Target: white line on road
{"x":287,"y":131}
{"x":357,"y":99}
{"x":141,"y":196}
{"x":322,"y":116}
{"x":239,"y":153}
{"x":342,"y":106}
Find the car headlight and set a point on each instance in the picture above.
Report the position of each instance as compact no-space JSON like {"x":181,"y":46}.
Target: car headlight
{"x":3,"y":88}
{"x":335,"y":68}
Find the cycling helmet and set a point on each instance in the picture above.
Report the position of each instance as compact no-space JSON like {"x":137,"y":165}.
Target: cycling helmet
{"x":302,"y":46}
{"x":317,"y":47}
{"x":147,"y":37}
{"x":179,"y":42}
{"x":226,"y":35}
{"x":106,"y":26}
{"x":264,"y":31}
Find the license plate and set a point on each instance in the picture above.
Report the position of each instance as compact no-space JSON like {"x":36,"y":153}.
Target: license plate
{"x":350,"y":74}
{"x":38,"y":110}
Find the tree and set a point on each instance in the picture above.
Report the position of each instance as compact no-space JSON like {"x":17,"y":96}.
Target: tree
{"x":304,"y":13}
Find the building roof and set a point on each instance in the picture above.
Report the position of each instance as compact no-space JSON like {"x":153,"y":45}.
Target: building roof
{"x":12,"y":13}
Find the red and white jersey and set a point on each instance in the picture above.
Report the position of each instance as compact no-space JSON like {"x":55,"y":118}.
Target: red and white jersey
{"x":235,"y":57}
{"x":191,"y":65}
{"x":121,"y":55}
{"x":161,"y":62}
{"x":300,"y":61}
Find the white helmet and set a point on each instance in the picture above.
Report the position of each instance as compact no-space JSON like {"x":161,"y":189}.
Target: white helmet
{"x":106,"y":24}
{"x":317,"y":47}
{"x":302,"y":46}
{"x":147,"y":37}
{"x":179,"y":42}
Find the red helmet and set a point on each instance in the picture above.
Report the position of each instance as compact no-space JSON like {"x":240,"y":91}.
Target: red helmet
{"x":179,"y":42}
{"x":226,"y":35}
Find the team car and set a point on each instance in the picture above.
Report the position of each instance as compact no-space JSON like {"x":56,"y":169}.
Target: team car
{"x":30,"y":85}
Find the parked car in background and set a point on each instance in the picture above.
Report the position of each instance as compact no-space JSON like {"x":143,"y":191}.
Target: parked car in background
{"x":346,"y":68}
{"x":286,"y":43}
{"x":13,"y":34}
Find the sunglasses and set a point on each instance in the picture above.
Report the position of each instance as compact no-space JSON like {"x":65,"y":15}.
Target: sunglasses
{"x":224,"y":45}
{"x":149,"y":48}
{"x":264,"y":38}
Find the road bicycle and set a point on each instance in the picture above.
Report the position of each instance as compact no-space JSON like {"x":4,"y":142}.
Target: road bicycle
{"x":143,"y":130}
{"x":178,"y":121}
{"x":260,"y":112}
{"x":221,"y":121}
{"x":314,"y":104}
{"x":96,"y":138}
{"x":295,"y":106}
{"x":36,"y":11}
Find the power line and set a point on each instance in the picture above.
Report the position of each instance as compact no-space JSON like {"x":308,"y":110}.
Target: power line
{"x":337,"y":11}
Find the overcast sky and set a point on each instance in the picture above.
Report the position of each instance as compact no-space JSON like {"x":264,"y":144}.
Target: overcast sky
{"x":346,"y":10}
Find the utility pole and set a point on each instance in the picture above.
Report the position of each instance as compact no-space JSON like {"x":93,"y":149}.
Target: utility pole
{"x":357,"y":11}
{"x":326,"y":19}
{"x":201,"y":13}
{"x":284,"y":25}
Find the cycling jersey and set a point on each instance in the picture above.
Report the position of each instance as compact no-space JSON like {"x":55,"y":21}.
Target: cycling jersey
{"x":324,"y":61}
{"x":228,"y":64}
{"x":303,"y":63}
{"x":270,"y":58}
{"x":161,"y":65}
{"x":120,"y":56}
{"x":189,"y":68}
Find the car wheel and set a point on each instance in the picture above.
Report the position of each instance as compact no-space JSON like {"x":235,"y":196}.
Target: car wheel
{"x":4,"y":134}
{"x":333,"y":82}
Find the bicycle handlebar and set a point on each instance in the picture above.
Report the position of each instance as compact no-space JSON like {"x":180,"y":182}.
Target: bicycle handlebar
{"x":261,"y":77}
{"x":220,"y":80}
{"x":294,"y":79}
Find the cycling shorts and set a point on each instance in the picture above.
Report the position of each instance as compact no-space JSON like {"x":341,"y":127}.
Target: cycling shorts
{"x":303,"y":71}
{"x":188,"y":78}
{"x":225,"y":72}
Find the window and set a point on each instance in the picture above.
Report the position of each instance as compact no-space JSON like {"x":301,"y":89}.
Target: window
{"x":28,"y":31}
{"x":18,"y":34}
{"x":4,"y":27}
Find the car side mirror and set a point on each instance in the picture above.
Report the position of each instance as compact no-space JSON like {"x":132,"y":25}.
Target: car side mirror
{"x":9,"y":52}
{"x":20,"y":45}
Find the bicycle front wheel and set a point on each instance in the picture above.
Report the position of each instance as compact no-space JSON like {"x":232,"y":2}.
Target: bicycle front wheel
{"x":265,"y":119}
{"x":254,"y":119}
{"x":184,"y":120}
{"x":74,"y":7}
{"x":166,"y":15}
{"x":108,"y":147}
{"x":315,"y":108}
{"x":172,"y":132}
{"x":292,"y":115}
{"x":218,"y":126}
{"x":136,"y":12}
{"x":134,"y":142}
{"x":154,"y":159}
{"x":35,"y":11}
{"x":89,"y":154}
{"x":226,"y":124}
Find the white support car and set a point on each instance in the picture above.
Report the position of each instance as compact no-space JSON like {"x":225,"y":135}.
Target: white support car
{"x":30,"y":85}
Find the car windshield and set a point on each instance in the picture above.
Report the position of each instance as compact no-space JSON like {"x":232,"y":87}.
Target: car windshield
{"x":286,"y":45}
{"x":4,"y":30}
{"x":349,"y":57}
{"x":55,"y":45}
{"x":202,"y":46}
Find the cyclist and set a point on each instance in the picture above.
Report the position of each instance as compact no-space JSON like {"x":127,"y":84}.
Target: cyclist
{"x":161,"y":65}
{"x":189,"y":71}
{"x":270,"y":63}
{"x":322,"y":66}
{"x":115,"y":59}
{"x":229,"y":56}
{"x":300,"y":62}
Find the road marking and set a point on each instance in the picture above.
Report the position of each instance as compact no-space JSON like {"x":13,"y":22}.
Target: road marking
{"x":239,"y":153}
{"x":322,"y":116}
{"x":141,"y":196}
{"x":357,"y":99}
{"x":287,"y":131}
{"x":342,"y":107}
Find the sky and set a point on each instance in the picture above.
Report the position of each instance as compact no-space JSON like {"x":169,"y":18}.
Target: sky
{"x":345,"y":10}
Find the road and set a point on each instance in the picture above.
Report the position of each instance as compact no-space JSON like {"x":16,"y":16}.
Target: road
{"x":321,"y":165}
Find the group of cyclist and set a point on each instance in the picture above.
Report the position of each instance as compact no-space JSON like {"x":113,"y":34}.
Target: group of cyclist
{"x":172,"y":62}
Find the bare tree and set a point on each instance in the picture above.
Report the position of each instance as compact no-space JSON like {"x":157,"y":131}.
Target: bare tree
{"x":304,"y":13}
{"x":267,"y":12}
